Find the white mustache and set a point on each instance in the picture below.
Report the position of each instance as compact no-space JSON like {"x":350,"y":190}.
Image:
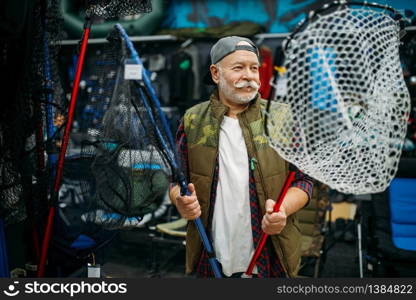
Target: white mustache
{"x":245,"y":83}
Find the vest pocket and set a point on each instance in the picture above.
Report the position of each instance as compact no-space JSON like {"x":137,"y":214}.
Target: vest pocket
{"x":271,"y":163}
{"x":290,"y":242}
{"x":274,"y":184}
{"x":201,"y":160}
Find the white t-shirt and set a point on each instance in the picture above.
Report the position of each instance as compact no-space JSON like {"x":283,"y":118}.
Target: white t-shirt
{"x":231,"y":224}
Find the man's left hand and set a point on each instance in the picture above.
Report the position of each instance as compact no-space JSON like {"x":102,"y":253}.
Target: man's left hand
{"x":273,"y":222}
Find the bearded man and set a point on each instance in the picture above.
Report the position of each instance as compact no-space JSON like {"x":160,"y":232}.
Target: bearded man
{"x":234,"y":174}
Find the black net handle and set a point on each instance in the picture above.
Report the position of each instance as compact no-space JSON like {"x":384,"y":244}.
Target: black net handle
{"x":312,"y":15}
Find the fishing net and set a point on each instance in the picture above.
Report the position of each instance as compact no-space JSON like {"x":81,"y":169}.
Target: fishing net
{"x":23,"y":177}
{"x":162,"y":137}
{"x":129,"y":168}
{"x":105,"y":9}
{"x":343,"y":118}
{"x":117,"y":8}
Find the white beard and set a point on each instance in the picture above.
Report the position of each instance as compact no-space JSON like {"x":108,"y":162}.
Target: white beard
{"x":236,"y":98}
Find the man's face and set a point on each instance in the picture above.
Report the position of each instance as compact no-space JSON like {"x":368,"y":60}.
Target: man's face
{"x":238,"y":76}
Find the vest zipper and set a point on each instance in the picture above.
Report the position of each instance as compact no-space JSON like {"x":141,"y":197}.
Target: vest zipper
{"x":255,"y":160}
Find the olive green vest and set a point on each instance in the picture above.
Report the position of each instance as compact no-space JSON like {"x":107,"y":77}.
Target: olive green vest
{"x":202,"y":127}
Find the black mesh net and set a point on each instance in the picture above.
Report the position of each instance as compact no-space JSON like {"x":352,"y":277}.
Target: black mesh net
{"x":49,"y":103}
{"x":118,"y":8}
{"x":130,"y":169}
{"x":23,"y":172}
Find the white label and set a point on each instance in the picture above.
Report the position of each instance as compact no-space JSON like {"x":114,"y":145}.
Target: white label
{"x":94,"y":271}
{"x":281,"y":88}
{"x":132,"y":72}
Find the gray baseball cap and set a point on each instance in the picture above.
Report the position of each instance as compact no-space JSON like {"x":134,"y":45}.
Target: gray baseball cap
{"x":226,"y":46}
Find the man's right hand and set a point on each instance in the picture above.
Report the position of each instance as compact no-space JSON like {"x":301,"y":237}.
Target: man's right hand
{"x":188,"y":206}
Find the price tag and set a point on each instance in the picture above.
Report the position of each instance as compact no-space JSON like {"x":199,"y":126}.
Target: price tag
{"x":281,"y":88}
{"x":94,"y":271}
{"x":132,"y":70}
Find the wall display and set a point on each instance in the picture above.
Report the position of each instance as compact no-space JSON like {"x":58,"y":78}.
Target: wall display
{"x":274,"y":15}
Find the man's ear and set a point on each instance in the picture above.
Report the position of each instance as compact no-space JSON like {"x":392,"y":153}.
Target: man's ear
{"x":215,"y":73}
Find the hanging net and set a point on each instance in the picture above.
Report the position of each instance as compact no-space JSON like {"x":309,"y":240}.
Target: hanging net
{"x":35,"y":97}
{"x":118,"y":8}
{"x":129,"y":167}
{"x":343,"y":118}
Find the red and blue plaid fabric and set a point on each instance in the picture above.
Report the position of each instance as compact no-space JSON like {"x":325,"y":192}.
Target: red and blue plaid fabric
{"x":268,"y":264}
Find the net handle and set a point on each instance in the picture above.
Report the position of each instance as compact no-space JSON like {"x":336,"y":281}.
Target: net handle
{"x":342,"y":3}
{"x":182,"y":182}
{"x":61,"y":157}
{"x":288,"y":183}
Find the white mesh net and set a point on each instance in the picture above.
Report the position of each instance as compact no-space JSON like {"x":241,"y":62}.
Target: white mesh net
{"x":343,"y":119}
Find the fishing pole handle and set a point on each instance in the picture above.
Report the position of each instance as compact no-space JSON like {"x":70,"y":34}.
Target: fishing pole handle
{"x":184,"y":188}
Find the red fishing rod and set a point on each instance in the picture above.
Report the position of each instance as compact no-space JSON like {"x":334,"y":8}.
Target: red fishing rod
{"x":100,"y":8}
{"x":64,"y":146}
{"x":263,"y":237}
